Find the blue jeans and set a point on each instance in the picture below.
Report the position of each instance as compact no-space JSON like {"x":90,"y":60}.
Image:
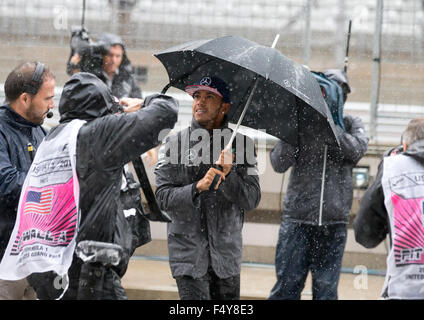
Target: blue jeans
{"x":303,"y":247}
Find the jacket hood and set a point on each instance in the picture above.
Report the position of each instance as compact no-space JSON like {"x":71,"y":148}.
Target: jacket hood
{"x":111,"y":39}
{"x":339,"y":76}
{"x":416,"y":151}
{"x":86,"y":97}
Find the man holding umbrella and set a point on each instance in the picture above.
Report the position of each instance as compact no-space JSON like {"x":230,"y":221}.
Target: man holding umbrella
{"x":268,"y":91}
{"x":204,"y":237}
{"x":316,"y":209}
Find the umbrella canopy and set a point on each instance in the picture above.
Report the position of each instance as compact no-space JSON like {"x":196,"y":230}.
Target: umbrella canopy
{"x":287,"y":99}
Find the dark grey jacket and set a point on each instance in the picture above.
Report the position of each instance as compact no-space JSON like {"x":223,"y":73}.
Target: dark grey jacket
{"x":206,"y":228}
{"x":303,"y":198}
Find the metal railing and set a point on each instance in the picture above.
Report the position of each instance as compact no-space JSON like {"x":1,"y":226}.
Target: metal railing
{"x":148,"y":26}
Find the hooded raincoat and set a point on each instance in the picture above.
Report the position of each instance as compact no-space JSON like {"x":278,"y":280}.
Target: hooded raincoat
{"x":105,"y":143}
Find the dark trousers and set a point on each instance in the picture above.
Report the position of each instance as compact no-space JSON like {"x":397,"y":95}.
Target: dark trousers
{"x":86,"y":287}
{"x":208,"y":287}
{"x":303,"y":247}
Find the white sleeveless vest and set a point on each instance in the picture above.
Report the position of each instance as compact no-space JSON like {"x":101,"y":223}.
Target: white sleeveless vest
{"x":47,"y":221}
{"x":403,"y":185}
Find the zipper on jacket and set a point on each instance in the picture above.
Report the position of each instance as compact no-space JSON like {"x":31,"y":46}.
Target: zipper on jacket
{"x":321,"y":201}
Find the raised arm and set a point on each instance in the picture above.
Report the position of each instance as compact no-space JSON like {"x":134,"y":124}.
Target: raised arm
{"x":129,"y":135}
{"x":371,"y":223}
{"x":353,"y":141}
{"x":282,"y":156}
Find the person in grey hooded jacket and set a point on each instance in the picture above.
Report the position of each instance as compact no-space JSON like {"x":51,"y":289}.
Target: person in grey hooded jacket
{"x":204,"y":237}
{"x":315,"y":213}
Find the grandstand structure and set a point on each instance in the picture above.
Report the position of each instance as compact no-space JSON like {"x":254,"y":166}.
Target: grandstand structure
{"x":40,"y":30}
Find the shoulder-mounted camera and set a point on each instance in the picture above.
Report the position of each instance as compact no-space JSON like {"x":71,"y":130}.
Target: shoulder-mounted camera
{"x":90,"y":52}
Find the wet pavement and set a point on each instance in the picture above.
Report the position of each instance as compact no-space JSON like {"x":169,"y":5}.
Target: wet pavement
{"x":149,"y":278}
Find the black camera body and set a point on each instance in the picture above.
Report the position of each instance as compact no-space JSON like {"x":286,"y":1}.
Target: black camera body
{"x":91,"y":52}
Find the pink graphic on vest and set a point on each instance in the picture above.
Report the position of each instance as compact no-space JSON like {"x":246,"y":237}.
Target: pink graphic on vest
{"x":48,"y":216}
{"x":408,"y":240}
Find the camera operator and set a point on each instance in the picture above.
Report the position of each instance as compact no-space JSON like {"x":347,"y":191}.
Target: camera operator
{"x":97,"y":170}
{"x":107,"y":59}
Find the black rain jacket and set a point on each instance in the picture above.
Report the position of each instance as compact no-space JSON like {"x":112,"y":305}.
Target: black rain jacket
{"x":104,"y":145}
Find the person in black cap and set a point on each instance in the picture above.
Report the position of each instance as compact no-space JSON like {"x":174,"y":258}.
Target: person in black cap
{"x":205,"y":235}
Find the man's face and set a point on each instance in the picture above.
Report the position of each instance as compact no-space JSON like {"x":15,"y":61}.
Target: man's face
{"x":113,"y":59}
{"x":208,"y":109}
{"x":41,"y":103}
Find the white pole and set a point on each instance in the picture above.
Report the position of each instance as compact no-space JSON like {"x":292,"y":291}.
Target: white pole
{"x":321,"y":201}
{"x":307,"y":34}
{"x":230,"y":143}
{"x":375,"y":90}
{"x":275,"y":41}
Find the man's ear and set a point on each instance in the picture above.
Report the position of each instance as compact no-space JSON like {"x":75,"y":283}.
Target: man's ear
{"x":405,"y":146}
{"x":225,"y":107}
{"x":25,"y":98}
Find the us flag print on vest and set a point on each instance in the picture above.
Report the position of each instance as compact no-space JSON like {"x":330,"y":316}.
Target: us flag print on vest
{"x":39,"y":202}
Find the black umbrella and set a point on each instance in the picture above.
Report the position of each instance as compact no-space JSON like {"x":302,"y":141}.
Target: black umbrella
{"x":286,"y":100}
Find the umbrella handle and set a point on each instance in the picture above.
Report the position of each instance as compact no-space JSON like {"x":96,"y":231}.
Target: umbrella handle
{"x":215,"y":179}
{"x":156,"y":214}
{"x":228,"y":146}
{"x":165,"y":88}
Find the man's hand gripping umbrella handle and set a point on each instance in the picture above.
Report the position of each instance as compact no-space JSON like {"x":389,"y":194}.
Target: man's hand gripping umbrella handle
{"x":228,"y":147}
{"x":215,"y":179}
{"x":230,"y":143}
